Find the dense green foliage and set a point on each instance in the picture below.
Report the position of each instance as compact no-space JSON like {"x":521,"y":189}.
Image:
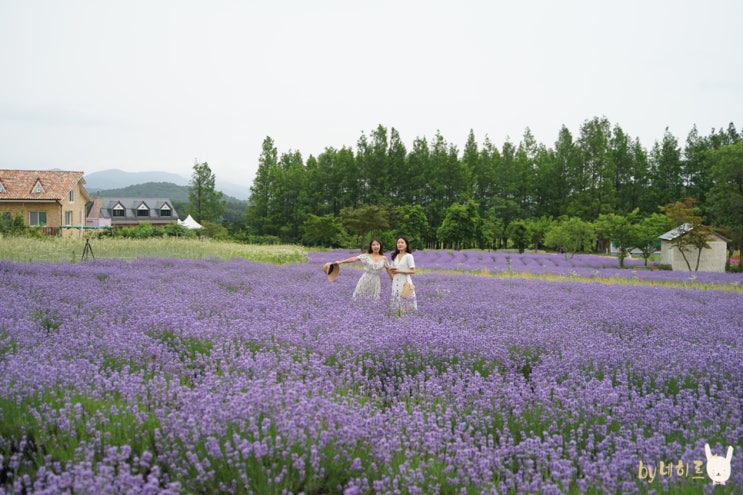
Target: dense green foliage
{"x":14,"y":225}
{"x":582,"y":194}
{"x":493,"y":198}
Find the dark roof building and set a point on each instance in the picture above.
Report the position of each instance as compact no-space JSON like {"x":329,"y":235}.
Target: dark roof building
{"x":133,"y":211}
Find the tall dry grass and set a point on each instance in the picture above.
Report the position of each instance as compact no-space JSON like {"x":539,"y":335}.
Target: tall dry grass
{"x":57,"y":249}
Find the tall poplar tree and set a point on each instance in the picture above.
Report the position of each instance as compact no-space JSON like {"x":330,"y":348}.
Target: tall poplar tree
{"x":726,"y":196}
{"x":418,"y":191}
{"x":445,"y":179}
{"x":596,"y":192}
{"x":322,"y":187}
{"x":666,"y":177}
{"x":374,"y":167}
{"x":471,"y":165}
{"x":483,"y":177}
{"x":398,"y":173}
{"x":527,"y":156}
{"x":204,"y":202}
{"x":346,"y":171}
{"x":263,"y":192}
{"x":695,"y":167}
{"x":553,"y":186}
{"x":290,"y":214}
{"x":505,"y":204}
{"x":630,"y":171}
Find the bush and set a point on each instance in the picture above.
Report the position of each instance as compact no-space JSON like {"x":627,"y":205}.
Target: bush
{"x":176,"y":230}
{"x":101,"y":233}
{"x":257,"y":239}
{"x":141,"y":231}
{"x":15,"y":226}
{"x":733,"y":266}
{"x":213,"y":231}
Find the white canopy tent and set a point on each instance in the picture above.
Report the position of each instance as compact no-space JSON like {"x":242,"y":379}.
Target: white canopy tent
{"x":190,"y":223}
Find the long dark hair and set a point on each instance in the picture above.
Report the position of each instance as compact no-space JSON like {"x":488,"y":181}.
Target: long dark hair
{"x":372,"y":242}
{"x":407,"y":247}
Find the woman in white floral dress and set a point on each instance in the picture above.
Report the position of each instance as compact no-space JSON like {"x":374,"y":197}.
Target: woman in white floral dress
{"x":401,"y":268}
{"x":374,"y":261}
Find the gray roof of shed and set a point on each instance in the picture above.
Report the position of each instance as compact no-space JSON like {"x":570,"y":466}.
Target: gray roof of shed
{"x":683,"y":229}
{"x":674,"y":233}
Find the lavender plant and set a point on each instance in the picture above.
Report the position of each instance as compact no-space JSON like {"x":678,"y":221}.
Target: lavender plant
{"x":206,"y":376}
{"x":555,"y":266}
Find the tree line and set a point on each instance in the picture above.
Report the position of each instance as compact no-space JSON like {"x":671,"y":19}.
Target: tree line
{"x":484,"y":196}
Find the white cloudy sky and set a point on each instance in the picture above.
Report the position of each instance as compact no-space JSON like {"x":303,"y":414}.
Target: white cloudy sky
{"x":156,"y":85}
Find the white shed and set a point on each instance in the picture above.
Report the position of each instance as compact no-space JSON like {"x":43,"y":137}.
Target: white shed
{"x":712,"y":259}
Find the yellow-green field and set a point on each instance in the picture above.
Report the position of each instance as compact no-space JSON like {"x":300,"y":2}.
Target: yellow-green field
{"x":58,"y":249}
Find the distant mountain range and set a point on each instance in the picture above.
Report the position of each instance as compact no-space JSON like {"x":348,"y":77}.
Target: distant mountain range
{"x":173,"y":192}
{"x":126,"y":184}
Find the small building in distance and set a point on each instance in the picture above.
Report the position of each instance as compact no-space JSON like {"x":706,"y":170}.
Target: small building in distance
{"x":130,"y":212}
{"x":711,"y":259}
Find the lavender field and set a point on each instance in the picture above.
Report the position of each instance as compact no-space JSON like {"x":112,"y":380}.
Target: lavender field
{"x":207,"y":376}
{"x":579,"y":265}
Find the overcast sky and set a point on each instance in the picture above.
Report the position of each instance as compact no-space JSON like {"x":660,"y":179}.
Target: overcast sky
{"x":148,"y":85}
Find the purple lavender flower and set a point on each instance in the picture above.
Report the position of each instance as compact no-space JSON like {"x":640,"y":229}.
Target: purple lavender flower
{"x":178,"y":376}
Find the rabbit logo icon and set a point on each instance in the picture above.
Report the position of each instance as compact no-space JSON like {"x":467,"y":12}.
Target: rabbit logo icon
{"x":718,"y":467}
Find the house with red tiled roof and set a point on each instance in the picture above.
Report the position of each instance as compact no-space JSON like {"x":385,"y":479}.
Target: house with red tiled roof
{"x":53,"y":200}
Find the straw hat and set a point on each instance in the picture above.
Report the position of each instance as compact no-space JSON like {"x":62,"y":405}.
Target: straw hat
{"x":331,"y":270}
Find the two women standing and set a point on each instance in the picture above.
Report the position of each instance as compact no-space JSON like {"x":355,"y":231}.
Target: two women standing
{"x":399,"y":271}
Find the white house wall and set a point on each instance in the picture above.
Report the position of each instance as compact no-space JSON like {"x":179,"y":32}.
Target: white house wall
{"x":712,"y":260}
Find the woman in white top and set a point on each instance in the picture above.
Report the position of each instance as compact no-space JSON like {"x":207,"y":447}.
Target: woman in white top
{"x":401,"y":268}
{"x":374,"y":261}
